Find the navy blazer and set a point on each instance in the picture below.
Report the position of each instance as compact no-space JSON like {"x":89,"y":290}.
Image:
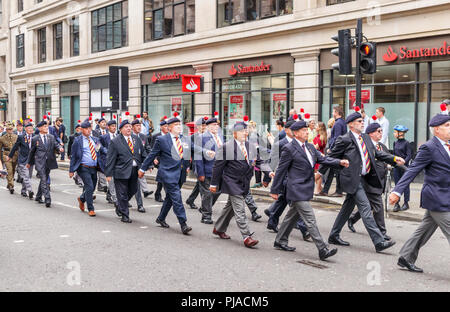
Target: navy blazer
{"x":432,"y":157}
{"x":171,"y":168}
{"x":297,"y":173}
{"x":24,"y":149}
{"x":77,"y":154}
{"x":231,"y":172}
{"x":42,"y":156}
{"x":339,"y":128}
{"x":203,"y":163}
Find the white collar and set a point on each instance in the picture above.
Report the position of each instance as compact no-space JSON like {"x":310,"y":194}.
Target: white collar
{"x":299,"y":142}
{"x":442,"y":141}
{"x":239,"y":143}
{"x":356,"y":135}
{"x":289,"y":139}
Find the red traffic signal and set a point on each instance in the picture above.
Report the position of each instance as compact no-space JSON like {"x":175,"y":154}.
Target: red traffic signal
{"x":366,"y":49}
{"x":368,"y":59}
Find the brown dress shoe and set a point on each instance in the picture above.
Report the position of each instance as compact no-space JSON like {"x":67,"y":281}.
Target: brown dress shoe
{"x":336,"y":195}
{"x":222,"y":235}
{"x":92,"y":213}
{"x":81,"y":204}
{"x":250,"y":242}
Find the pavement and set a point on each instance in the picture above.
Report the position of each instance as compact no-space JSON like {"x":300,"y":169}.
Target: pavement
{"x":63,"y":249}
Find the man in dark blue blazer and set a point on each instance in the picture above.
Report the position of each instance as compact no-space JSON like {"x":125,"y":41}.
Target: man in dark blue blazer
{"x":174,"y":151}
{"x":164,"y":129}
{"x":105,"y":140}
{"x":86,"y":159}
{"x":124,"y":157}
{"x":434,"y":157}
{"x":23,"y":144}
{"x":297,"y":162}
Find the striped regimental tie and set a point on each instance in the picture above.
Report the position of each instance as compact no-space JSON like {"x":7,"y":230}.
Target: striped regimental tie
{"x":131,"y":146}
{"x":179,"y":147}
{"x":244,"y":151}
{"x":91,"y":148}
{"x":366,"y":154}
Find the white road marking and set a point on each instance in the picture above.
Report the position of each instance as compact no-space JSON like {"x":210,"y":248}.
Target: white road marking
{"x":64,"y":236}
{"x":106,"y":231}
{"x":104,"y":210}
{"x":19,"y":241}
{"x":144,"y":227}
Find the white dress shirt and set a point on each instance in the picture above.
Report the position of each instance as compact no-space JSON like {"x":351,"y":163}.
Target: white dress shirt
{"x":384,"y":123}
{"x":112,"y":135}
{"x":307,"y":152}
{"x":445,"y":146}
{"x":289,"y":139}
{"x":126,"y":140}
{"x":363,"y":160}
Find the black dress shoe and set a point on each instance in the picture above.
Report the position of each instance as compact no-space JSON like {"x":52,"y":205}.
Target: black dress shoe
{"x":24,"y":194}
{"x":39,"y":200}
{"x":255,"y":216}
{"x":283,"y":247}
{"x":147,"y":194}
{"x":125,"y":219}
{"x":48,"y":204}
{"x":118,"y":213}
{"x":206,"y":221}
{"x":191,"y":205}
{"x":387,"y":237}
{"x":11,"y":191}
{"x":102,"y":189}
{"x":326,"y":253}
{"x":410,"y":266}
{"x":30,"y":195}
{"x":404,"y":207}
{"x":129,"y":205}
{"x":272,"y":227}
{"x":267,"y":212}
{"x":158,"y":198}
{"x":306,"y":236}
{"x":384,"y":245}
{"x":141,"y":209}
{"x":162,"y":223}
{"x":185,"y":228}
{"x":396,"y":207}
{"x":337,"y":241}
{"x":350,"y":225}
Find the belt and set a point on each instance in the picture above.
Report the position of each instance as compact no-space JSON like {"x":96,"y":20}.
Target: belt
{"x":92,"y":167}
{"x":6,"y":149}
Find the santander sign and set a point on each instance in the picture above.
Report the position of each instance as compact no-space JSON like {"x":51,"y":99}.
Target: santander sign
{"x":410,"y":54}
{"x":241,"y":69}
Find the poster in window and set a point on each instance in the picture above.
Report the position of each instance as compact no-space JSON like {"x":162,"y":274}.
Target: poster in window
{"x":236,"y":107}
{"x":278,"y":102}
{"x":366,"y":97}
{"x":176,"y":102}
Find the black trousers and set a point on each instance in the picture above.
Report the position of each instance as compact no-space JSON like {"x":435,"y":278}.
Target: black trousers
{"x":125,"y":190}
{"x":376,"y":203}
{"x":194,"y":194}
{"x":159,"y":188}
{"x":332,"y":172}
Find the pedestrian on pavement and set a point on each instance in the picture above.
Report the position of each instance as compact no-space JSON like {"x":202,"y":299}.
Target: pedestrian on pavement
{"x":447,"y":104}
{"x":164,"y":129}
{"x":86,"y":161}
{"x":7,"y":142}
{"x":174,"y":151}
{"x":312,"y":131}
{"x":374,"y":191}
{"x":124,"y":157}
{"x":147,"y":124}
{"x":366,"y":119}
{"x":61,"y":131}
{"x":42,"y":156}
{"x":232,"y":172}
{"x":297,"y":163}
{"x":23,"y":146}
{"x":434,"y":157}
{"x":384,"y":122}
{"x":105,"y":140}
{"x":358,"y":148}
{"x":403,"y":149}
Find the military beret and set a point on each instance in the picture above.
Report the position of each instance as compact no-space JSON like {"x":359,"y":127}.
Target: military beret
{"x":162,"y":123}
{"x":101,"y":119}
{"x":212,"y":120}
{"x":372,"y":127}
{"x":112,"y":122}
{"x":85,"y":124}
{"x":239,"y":126}
{"x":299,"y":125}
{"x":173,"y":120}
{"x":353,"y":117}
{"x":200,"y":121}
{"x":19,"y":123}
{"x":41,"y":123}
{"x":123,"y":123}
{"x":135,"y":122}
{"x":29,"y":125}
{"x":438,"y":120}
{"x":289,"y":123}
{"x":77,"y":126}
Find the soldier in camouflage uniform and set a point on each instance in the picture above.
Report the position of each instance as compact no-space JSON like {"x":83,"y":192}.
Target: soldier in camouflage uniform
{"x":7,"y":142}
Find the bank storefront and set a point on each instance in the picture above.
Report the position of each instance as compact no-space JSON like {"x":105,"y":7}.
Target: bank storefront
{"x":412,"y":79}
{"x":162,"y":95}
{"x":260,"y":88}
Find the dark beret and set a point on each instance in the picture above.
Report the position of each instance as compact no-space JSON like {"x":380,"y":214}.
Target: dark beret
{"x":41,"y":123}
{"x":162,"y":123}
{"x":173,"y":120}
{"x":372,"y":127}
{"x":438,"y":120}
{"x":239,"y":126}
{"x":77,"y":126}
{"x":289,"y":123}
{"x":211,"y":120}
{"x":112,"y":122}
{"x":135,"y":122}
{"x":200,"y":121}
{"x":101,"y":119}
{"x":353,"y":117}
{"x":299,"y":125}
{"x":86,"y":124}
{"x":29,"y":125}
{"x":123,"y":123}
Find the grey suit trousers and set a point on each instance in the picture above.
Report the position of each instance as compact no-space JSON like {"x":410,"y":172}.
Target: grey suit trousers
{"x":376,"y":203}
{"x":143,"y":184}
{"x":234,"y":207}
{"x":102,"y":180}
{"x":296,"y":210}
{"x":430,"y":222}
{"x":208,"y":198}
{"x":25,"y":174}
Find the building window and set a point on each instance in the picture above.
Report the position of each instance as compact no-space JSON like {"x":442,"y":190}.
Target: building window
{"x":1,"y":12}
{"x":42,"y":45}
{"x":110,"y":27}
{"x":57,"y":41}
{"x":38,"y":1}
{"x":231,"y":12}
{"x":331,"y":2}
{"x":43,"y":100}
{"x":20,"y":50}
{"x":168,"y":18}
{"x":75,"y":37}
{"x":19,"y":6}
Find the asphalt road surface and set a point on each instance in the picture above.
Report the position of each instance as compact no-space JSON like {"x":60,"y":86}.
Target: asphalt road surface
{"x":62,"y":249}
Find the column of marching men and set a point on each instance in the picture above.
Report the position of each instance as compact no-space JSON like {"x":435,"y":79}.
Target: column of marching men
{"x":116,"y":157}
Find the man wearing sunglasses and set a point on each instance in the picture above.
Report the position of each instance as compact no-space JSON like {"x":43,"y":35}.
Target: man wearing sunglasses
{"x":358,"y":149}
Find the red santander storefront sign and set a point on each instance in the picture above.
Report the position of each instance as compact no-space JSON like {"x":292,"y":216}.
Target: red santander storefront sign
{"x":165,"y":77}
{"x":242,"y":69}
{"x":404,"y":53}
{"x":191,"y":83}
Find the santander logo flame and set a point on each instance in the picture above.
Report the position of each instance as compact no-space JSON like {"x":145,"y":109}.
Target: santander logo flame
{"x":191,"y":86}
{"x":390,"y":55}
{"x":233,"y":71}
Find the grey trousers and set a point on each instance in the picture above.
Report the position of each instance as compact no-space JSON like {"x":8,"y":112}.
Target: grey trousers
{"x":143,"y":184}
{"x":78,"y":178}
{"x":102,"y":180}
{"x":25,"y":174}
{"x":234,"y":207}
{"x":376,"y":203}
{"x":430,"y":222}
{"x":362,"y":202}
{"x":208,"y":198}
{"x":138,"y":196}
{"x":304,"y":210}
{"x":250,"y":202}
{"x":112,"y":190}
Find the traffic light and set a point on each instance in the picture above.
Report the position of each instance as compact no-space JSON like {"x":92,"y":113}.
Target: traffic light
{"x":344,"y":52}
{"x":368,"y":58}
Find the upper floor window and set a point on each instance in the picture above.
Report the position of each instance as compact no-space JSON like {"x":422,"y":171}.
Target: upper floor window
{"x":20,"y":50}
{"x":331,"y":2}
{"x":110,"y":27}
{"x":42,"y":45}
{"x":1,"y":13}
{"x":231,"y":12}
{"x":57,"y":41}
{"x":168,"y":18}
{"x":74,"y":36}
{"x":39,"y":1}
{"x":19,"y":6}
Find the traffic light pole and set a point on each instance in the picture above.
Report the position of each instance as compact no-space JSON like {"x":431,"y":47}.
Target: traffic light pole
{"x":358,"y":58}
{"x":119,"y":112}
